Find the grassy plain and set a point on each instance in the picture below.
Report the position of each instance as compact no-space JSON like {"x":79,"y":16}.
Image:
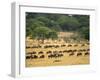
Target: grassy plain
{"x":64,"y":60}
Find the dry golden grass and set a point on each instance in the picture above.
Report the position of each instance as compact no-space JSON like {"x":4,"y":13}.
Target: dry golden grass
{"x":65,"y":34}
{"x":64,"y":60}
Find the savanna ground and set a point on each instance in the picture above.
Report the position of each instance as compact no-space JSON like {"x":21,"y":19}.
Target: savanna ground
{"x":66,"y":59}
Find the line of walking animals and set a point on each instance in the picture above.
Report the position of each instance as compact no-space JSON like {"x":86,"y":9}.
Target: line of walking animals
{"x":57,"y":53}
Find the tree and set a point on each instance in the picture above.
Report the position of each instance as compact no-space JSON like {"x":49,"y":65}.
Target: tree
{"x":41,"y":33}
{"x":31,"y":24}
{"x":44,"y":25}
{"x":83,"y":20}
{"x":68,"y":23}
{"x":52,"y":34}
{"x":54,"y":25}
{"x":84,"y":27}
{"x":50,"y":23}
{"x":84,"y":32}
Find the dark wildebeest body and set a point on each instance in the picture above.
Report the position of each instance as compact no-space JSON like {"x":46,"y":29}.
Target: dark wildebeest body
{"x":34,"y":57}
{"x":69,"y":45}
{"x":28,"y":57}
{"x":87,"y":53}
{"x":40,"y":52}
{"x":75,"y":45}
{"x":69,"y":51}
{"x":79,"y":54}
{"x":49,"y":52}
{"x":83,"y":45}
{"x":71,"y":54}
{"x":57,"y":46}
{"x":42,"y":56}
{"x":33,"y":52}
{"x":60,"y":51}
{"x":88,"y":49}
{"x":63,"y":45}
{"x":65,"y":51}
{"x":28,"y":47}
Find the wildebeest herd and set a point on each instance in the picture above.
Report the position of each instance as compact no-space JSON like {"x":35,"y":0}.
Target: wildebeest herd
{"x":56,"y":53}
{"x":52,"y":53}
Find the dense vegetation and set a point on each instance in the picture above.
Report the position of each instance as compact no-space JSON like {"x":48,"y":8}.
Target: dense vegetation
{"x":44,"y":25}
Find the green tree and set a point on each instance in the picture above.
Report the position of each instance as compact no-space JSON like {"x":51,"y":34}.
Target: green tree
{"x":84,"y":32}
{"x":84,"y":25}
{"x":50,"y":23}
{"x":68,"y":23}
{"x":83,"y":19}
{"x":31,"y":24}
{"x":52,"y":34}
{"x":41,"y":33}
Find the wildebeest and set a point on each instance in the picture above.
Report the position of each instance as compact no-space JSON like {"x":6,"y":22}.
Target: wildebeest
{"x":63,"y":45}
{"x":50,"y":56}
{"x":83,"y":45}
{"x":82,"y":50}
{"x":55,"y":55}
{"x":33,"y":52}
{"x":69,"y":51}
{"x":75,"y":45}
{"x":48,"y":46}
{"x":79,"y":50}
{"x":74,"y":50}
{"x":49,"y":52}
{"x":56,"y":46}
{"x":71,"y":54}
{"x":45,"y":46}
{"x":28,"y":57}
{"x":28,"y":47}
{"x":40,"y":52}
{"x":79,"y":54}
{"x":34,"y":57}
{"x":42,"y":56}
{"x":60,"y":55}
{"x":60,"y":51}
{"x":65,"y":51}
{"x":87,"y":53}
{"x":39,"y":46}
{"x":88,"y":49}
{"x":69,"y":45}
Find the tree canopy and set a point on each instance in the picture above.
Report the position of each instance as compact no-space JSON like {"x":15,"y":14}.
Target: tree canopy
{"x":44,"y":25}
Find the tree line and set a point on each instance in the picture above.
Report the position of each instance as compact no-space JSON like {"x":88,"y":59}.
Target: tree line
{"x":45,"y":25}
